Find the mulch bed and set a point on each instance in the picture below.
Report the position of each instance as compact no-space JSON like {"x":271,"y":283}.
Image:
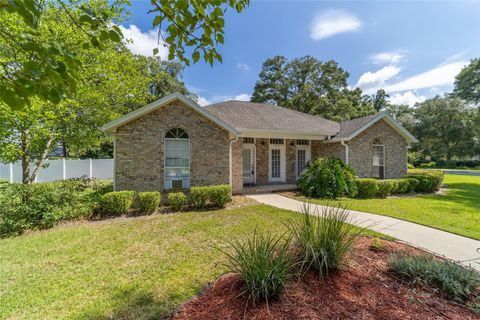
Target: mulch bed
{"x":365,"y":289}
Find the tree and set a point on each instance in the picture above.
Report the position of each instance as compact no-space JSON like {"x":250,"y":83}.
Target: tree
{"x":112,"y":82}
{"x":446,"y":128}
{"x":30,"y":64}
{"x":311,"y":86}
{"x":467,"y":82}
{"x":380,"y":100}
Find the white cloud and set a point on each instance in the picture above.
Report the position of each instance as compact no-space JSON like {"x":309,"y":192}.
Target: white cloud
{"x":243,"y":66}
{"x":143,"y":42}
{"x":408,"y":98}
{"x":241,"y":97}
{"x":332,"y":22}
{"x":391,"y":58}
{"x":442,"y":75}
{"x":371,"y":81}
{"x":203,"y":101}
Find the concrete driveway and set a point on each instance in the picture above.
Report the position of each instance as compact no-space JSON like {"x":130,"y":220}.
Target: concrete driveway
{"x":463,"y":172}
{"x":449,"y":245}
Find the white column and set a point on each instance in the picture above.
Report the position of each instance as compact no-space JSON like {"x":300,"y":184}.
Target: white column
{"x":11,"y":172}
{"x":90,"y":173}
{"x":64,"y":169}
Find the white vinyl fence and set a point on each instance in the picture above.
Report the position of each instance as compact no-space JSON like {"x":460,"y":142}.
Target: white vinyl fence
{"x":61,"y":169}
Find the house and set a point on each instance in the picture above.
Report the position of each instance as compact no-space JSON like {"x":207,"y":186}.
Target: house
{"x":173,"y":143}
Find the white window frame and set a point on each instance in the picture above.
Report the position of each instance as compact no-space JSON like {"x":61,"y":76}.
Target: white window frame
{"x":307,"y":156}
{"x":377,"y":142}
{"x":167,"y":182}
{"x":283,"y":167}
{"x":253,"y":158}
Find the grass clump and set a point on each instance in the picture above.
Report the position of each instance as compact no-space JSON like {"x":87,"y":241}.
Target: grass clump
{"x":146,"y":202}
{"x":176,"y":200}
{"x":455,"y":281}
{"x":263,"y":263}
{"x":322,"y":239}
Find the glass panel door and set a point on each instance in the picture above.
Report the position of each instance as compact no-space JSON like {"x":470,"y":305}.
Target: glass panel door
{"x":275,"y":163}
{"x":248,"y":165}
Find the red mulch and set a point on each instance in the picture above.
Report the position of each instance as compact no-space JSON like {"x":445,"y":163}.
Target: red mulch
{"x":363,"y":290}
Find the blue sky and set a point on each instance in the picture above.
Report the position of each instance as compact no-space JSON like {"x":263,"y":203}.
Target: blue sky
{"x":413,"y":49}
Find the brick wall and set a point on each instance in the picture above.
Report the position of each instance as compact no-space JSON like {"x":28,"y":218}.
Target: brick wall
{"x":261,"y":146}
{"x":237,"y":171}
{"x":139,"y":149}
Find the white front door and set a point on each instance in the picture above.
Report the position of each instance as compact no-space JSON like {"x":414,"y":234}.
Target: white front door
{"x":302,"y":157}
{"x":248,"y":164}
{"x":276,"y":157}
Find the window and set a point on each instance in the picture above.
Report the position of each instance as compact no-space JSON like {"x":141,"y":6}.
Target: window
{"x":301,"y":161}
{"x":177,"y":159}
{"x":248,"y":140}
{"x":275,"y":163}
{"x":378,"y":165}
{"x":276,"y":141}
{"x":303,"y":142}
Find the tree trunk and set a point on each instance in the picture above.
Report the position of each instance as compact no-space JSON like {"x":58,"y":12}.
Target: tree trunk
{"x":25,"y":156}
{"x":40,"y":160}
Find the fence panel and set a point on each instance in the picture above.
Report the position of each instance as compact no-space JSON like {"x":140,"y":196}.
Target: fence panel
{"x":102,"y":168}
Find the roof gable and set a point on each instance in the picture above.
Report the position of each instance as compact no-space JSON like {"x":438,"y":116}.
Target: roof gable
{"x":113,"y":125}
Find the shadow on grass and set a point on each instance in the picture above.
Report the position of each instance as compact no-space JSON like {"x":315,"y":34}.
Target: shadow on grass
{"x":136,"y":304}
{"x":466,"y":193}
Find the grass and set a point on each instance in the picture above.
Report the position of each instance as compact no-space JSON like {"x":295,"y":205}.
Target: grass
{"x":129,"y":268}
{"x":456,"y":211}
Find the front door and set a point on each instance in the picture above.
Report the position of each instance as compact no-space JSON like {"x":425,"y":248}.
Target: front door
{"x":277,"y":160}
{"x":303,"y":156}
{"x":248,"y":164}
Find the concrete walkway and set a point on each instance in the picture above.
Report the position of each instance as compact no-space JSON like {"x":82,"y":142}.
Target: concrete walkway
{"x":443,"y":243}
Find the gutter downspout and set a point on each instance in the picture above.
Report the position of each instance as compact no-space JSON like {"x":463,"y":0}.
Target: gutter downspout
{"x":230,"y":161}
{"x":346,"y":151}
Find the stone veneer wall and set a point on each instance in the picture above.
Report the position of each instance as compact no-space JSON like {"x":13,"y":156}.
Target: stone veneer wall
{"x":139,"y":153}
{"x":361,"y":151}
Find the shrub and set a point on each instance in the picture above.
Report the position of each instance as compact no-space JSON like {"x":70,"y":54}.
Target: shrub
{"x":263,"y":263}
{"x":377,"y":245}
{"x":452,"y":279}
{"x":402,"y":186}
{"x":116,"y":202}
{"x":177,"y":200}
{"x":199,"y":196}
{"x":146,"y":202}
{"x":410,"y":166}
{"x":385,"y":187}
{"x":323,"y":239}
{"x":366,"y":188}
{"x":412,"y":184}
{"x":430,"y":164}
{"x":219,"y":195}
{"x":327,"y":178}
{"x":428,"y":181}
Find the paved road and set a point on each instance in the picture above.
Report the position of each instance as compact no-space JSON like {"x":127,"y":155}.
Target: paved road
{"x":463,"y":172}
{"x":443,"y":243}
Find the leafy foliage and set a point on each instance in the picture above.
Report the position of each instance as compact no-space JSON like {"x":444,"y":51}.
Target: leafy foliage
{"x":176,"y":200}
{"x":467,"y":82}
{"x":327,"y":178}
{"x":264,"y":264}
{"x":116,"y":203}
{"x":311,"y":86}
{"x":194,"y":24}
{"x":428,"y":181}
{"x":146,"y":202}
{"x":367,"y":188}
{"x":322,"y":239}
{"x":452,"y":279}
{"x":198,"y":197}
{"x":219,"y":195}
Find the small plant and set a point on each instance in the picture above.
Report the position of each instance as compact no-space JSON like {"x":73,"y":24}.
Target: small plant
{"x":322,"y":239}
{"x":327,"y":178}
{"x":198,"y":197}
{"x":219,"y":195}
{"x":263,"y":263}
{"x":367,"y":188}
{"x":146,"y":202}
{"x":116,"y":202}
{"x":177,"y":200}
{"x":377,"y":245}
{"x":385,"y":188}
{"x":455,"y":281}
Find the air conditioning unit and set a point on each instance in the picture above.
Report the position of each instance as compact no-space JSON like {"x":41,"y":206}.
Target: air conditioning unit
{"x":177,"y":184}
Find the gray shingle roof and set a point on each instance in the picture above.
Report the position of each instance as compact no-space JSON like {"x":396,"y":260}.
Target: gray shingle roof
{"x":243,"y":115}
{"x":347,"y":128}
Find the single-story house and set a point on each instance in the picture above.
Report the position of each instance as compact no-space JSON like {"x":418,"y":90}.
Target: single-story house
{"x":173,"y":143}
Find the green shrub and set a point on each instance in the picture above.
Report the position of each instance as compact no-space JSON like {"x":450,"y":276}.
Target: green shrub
{"x":116,"y":202}
{"x":452,"y":279}
{"x":430,"y":164}
{"x":219,"y":195}
{"x":327,"y":178}
{"x":176,"y":200}
{"x":402,"y":186}
{"x":410,"y":166}
{"x":199,"y":196}
{"x":366,"y":188}
{"x":323,"y":239}
{"x":146,"y":202}
{"x":263,"y":263}
{"x":428,"y":181}
{"x":385,"y":187}
{"x":412,"y":184}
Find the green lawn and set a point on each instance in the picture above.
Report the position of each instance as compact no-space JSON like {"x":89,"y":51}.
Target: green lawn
{"x":135,"y":268}
{"x":457,"y":211}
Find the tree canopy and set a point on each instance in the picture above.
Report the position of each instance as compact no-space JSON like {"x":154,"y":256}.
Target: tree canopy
{"x":311,"y":86}
{"x":467,"y":82}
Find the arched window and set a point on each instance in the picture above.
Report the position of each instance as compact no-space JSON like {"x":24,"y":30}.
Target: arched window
{"x":378,"y":164}
{"x":177,"y":159}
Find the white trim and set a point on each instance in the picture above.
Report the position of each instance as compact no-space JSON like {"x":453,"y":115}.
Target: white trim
{"x":114,"y":164}
{"x":165,"y":159}
{"x":253,"y":159}
{"x":308,"y":152}
{"x":283,"y":167}
{"x":392,"y":122}
{"x":384,"y":160}
{"x":269,"y":134}
{"x":113,"y":125}
{"x":230,"y":162}
{"x":346,"y":151}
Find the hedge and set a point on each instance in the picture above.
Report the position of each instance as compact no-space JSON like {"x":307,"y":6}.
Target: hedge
{"x":217,"y":196}
{"x":146,"y":202}
{"x":367,"y":188}
{"x":176,"y":200}
{"x":116,"y":202}
{"x":428,"y":181}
